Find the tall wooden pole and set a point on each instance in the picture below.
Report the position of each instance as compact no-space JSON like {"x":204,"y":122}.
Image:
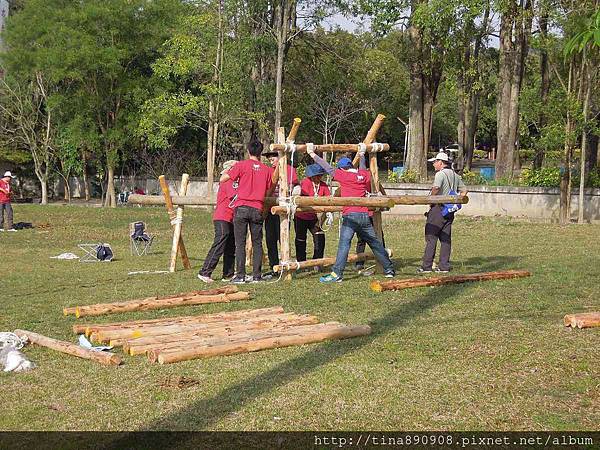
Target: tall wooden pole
{"x":185,"y":179}
{"x":284,"y":228}
{"x":172,"y":215}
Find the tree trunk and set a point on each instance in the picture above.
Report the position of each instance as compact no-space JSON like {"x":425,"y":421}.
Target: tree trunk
{"x":86,"y":188}
{"x":585,"y":79}
{"x":538,"y":160}
{"x":44,"y":186}
{"x":111,"y":198}
{"x":565,"y":179}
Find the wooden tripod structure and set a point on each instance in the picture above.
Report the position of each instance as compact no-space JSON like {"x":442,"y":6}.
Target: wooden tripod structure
{"x":284,"y":146}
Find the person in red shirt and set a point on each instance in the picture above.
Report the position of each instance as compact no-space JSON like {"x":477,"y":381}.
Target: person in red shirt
{"x":224,"y":242}
{"x":5,"y":206}
{"x":355,"y":219}
{"x":254,"y":181}
{"x":311,"y":186}
{"x":273,"y":221}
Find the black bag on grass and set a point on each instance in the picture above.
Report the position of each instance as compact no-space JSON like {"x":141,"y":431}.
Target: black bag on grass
{"x":104,"y":252}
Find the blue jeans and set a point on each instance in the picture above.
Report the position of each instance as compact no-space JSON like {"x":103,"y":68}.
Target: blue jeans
{"x":360,"y":224}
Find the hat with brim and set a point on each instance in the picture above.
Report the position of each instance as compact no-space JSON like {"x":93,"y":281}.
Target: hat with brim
{"x":441,"y":156}
{"x":344,"y":163}
{"x":228,"y":165}
{"x":8,"y":174}
{"x":313,"y":170}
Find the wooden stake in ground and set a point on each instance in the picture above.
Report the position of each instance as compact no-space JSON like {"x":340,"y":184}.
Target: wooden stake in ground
{"x":395,"y":285}
{"x":153,"y":303}
{"x":582,"y":320}
{"x":178,"y":223}
{"x":109,"y":359}
{"x":304,"y":336}
{"x":172,"y":216}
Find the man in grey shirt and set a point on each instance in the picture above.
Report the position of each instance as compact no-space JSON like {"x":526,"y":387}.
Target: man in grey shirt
{"x":437,"y":226}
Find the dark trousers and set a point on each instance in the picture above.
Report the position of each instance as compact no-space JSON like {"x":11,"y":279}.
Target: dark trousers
{"x":437,"y":228}
{"x":223,"y":245}
{"x":246,"y":218}
{"x":6,"y":207}
{"x":302,"y":228}
{"x":358,"y":223}
{"x":272,"y":230}
{"x":361,"y":245}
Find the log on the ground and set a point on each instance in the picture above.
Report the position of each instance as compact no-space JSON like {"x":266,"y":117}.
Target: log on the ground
{"x":323,"y":262}
{"x":146,"y":305}
{"x":201,"y":318}
{"x":582,"y":320}
{"x":327,"y":148}
{"x":116,"y":337}
{"x":379,"y":286}
{"x":109,"y":359}
{"x":216,"y":291}
{"x":304,"y":336}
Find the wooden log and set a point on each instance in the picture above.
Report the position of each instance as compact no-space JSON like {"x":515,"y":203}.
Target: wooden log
{"x":69,"y":311}
{"x":301,"y":148}
{"x":178,"y":225}
{"x":582,"y":320}
{"x":371,"y":134}
{"x":202,"y":318}
{"x":344,"y":201}
{"x":113,"y":336}
{"x":142,"y":345}
{"x":150,"y":200}
{"x":172,"y":215}
{"x":380,"y":286}
{"x":315,"y":209}
{"x":323,"y":262}
{"x":109,"y":359}
{"x":284,"y":185}
{"x":215,"y":291}
{"x":141,"y":305}
{"x":306,"y":337}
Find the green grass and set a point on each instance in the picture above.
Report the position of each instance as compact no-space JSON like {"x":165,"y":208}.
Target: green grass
{"x":479,"y":356}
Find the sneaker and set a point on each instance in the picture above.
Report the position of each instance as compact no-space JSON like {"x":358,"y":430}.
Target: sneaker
{"x":1,"y":229}
{"x":331,"y":278}
{"x":390,"y":274}
{"x":205,"y":279}
{"x":11,"y":229}
{"x":269,"y":275}
{"x":421,"y":270}
{"x":258,"y":279}
{"x":441,"y":271}
{"x":238,"y":280}
{"x":227,"y":279}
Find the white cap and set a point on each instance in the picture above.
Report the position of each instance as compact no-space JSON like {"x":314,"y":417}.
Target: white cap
{"x":8,"y":174}
{"x":441,"y":156}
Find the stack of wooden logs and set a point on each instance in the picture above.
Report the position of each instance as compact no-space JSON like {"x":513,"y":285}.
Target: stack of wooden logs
{"x":176,"y":339}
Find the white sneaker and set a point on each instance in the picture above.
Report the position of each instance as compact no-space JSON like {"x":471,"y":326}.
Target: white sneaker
{"x":11,"y":229}
{"x":205,"y":279}
{"x":1,"y":229}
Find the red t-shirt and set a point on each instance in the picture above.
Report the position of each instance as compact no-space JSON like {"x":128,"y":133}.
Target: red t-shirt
{"x":294,"y":178}
{"x":4,"y":198}
{"x":254,"y":180}
{"x":353,"y":184}
{"x":307,"y":189}
{"x":224,"y":210}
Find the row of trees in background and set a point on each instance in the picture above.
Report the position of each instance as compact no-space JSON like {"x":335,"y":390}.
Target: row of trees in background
{"x":124,"y":86}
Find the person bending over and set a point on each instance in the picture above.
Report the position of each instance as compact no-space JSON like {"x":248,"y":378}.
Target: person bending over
{"x":355,"y":219}
{"x":254,"y":180}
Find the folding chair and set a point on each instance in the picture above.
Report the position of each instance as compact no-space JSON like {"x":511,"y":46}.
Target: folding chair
{"x":91,"y":252}
{"x":141,"y":241}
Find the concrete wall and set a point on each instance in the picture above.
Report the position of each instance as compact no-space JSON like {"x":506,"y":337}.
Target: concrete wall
{"x":535,"y":203}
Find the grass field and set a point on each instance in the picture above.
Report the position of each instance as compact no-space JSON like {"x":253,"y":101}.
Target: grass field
{"x":485,"y":356}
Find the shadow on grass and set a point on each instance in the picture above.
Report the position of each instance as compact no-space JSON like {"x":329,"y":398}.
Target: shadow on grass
{"x":206,"y":412}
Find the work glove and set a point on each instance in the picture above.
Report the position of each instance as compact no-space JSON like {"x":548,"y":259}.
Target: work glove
{"x":310,"y":149}
{"x":329,"y":219}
